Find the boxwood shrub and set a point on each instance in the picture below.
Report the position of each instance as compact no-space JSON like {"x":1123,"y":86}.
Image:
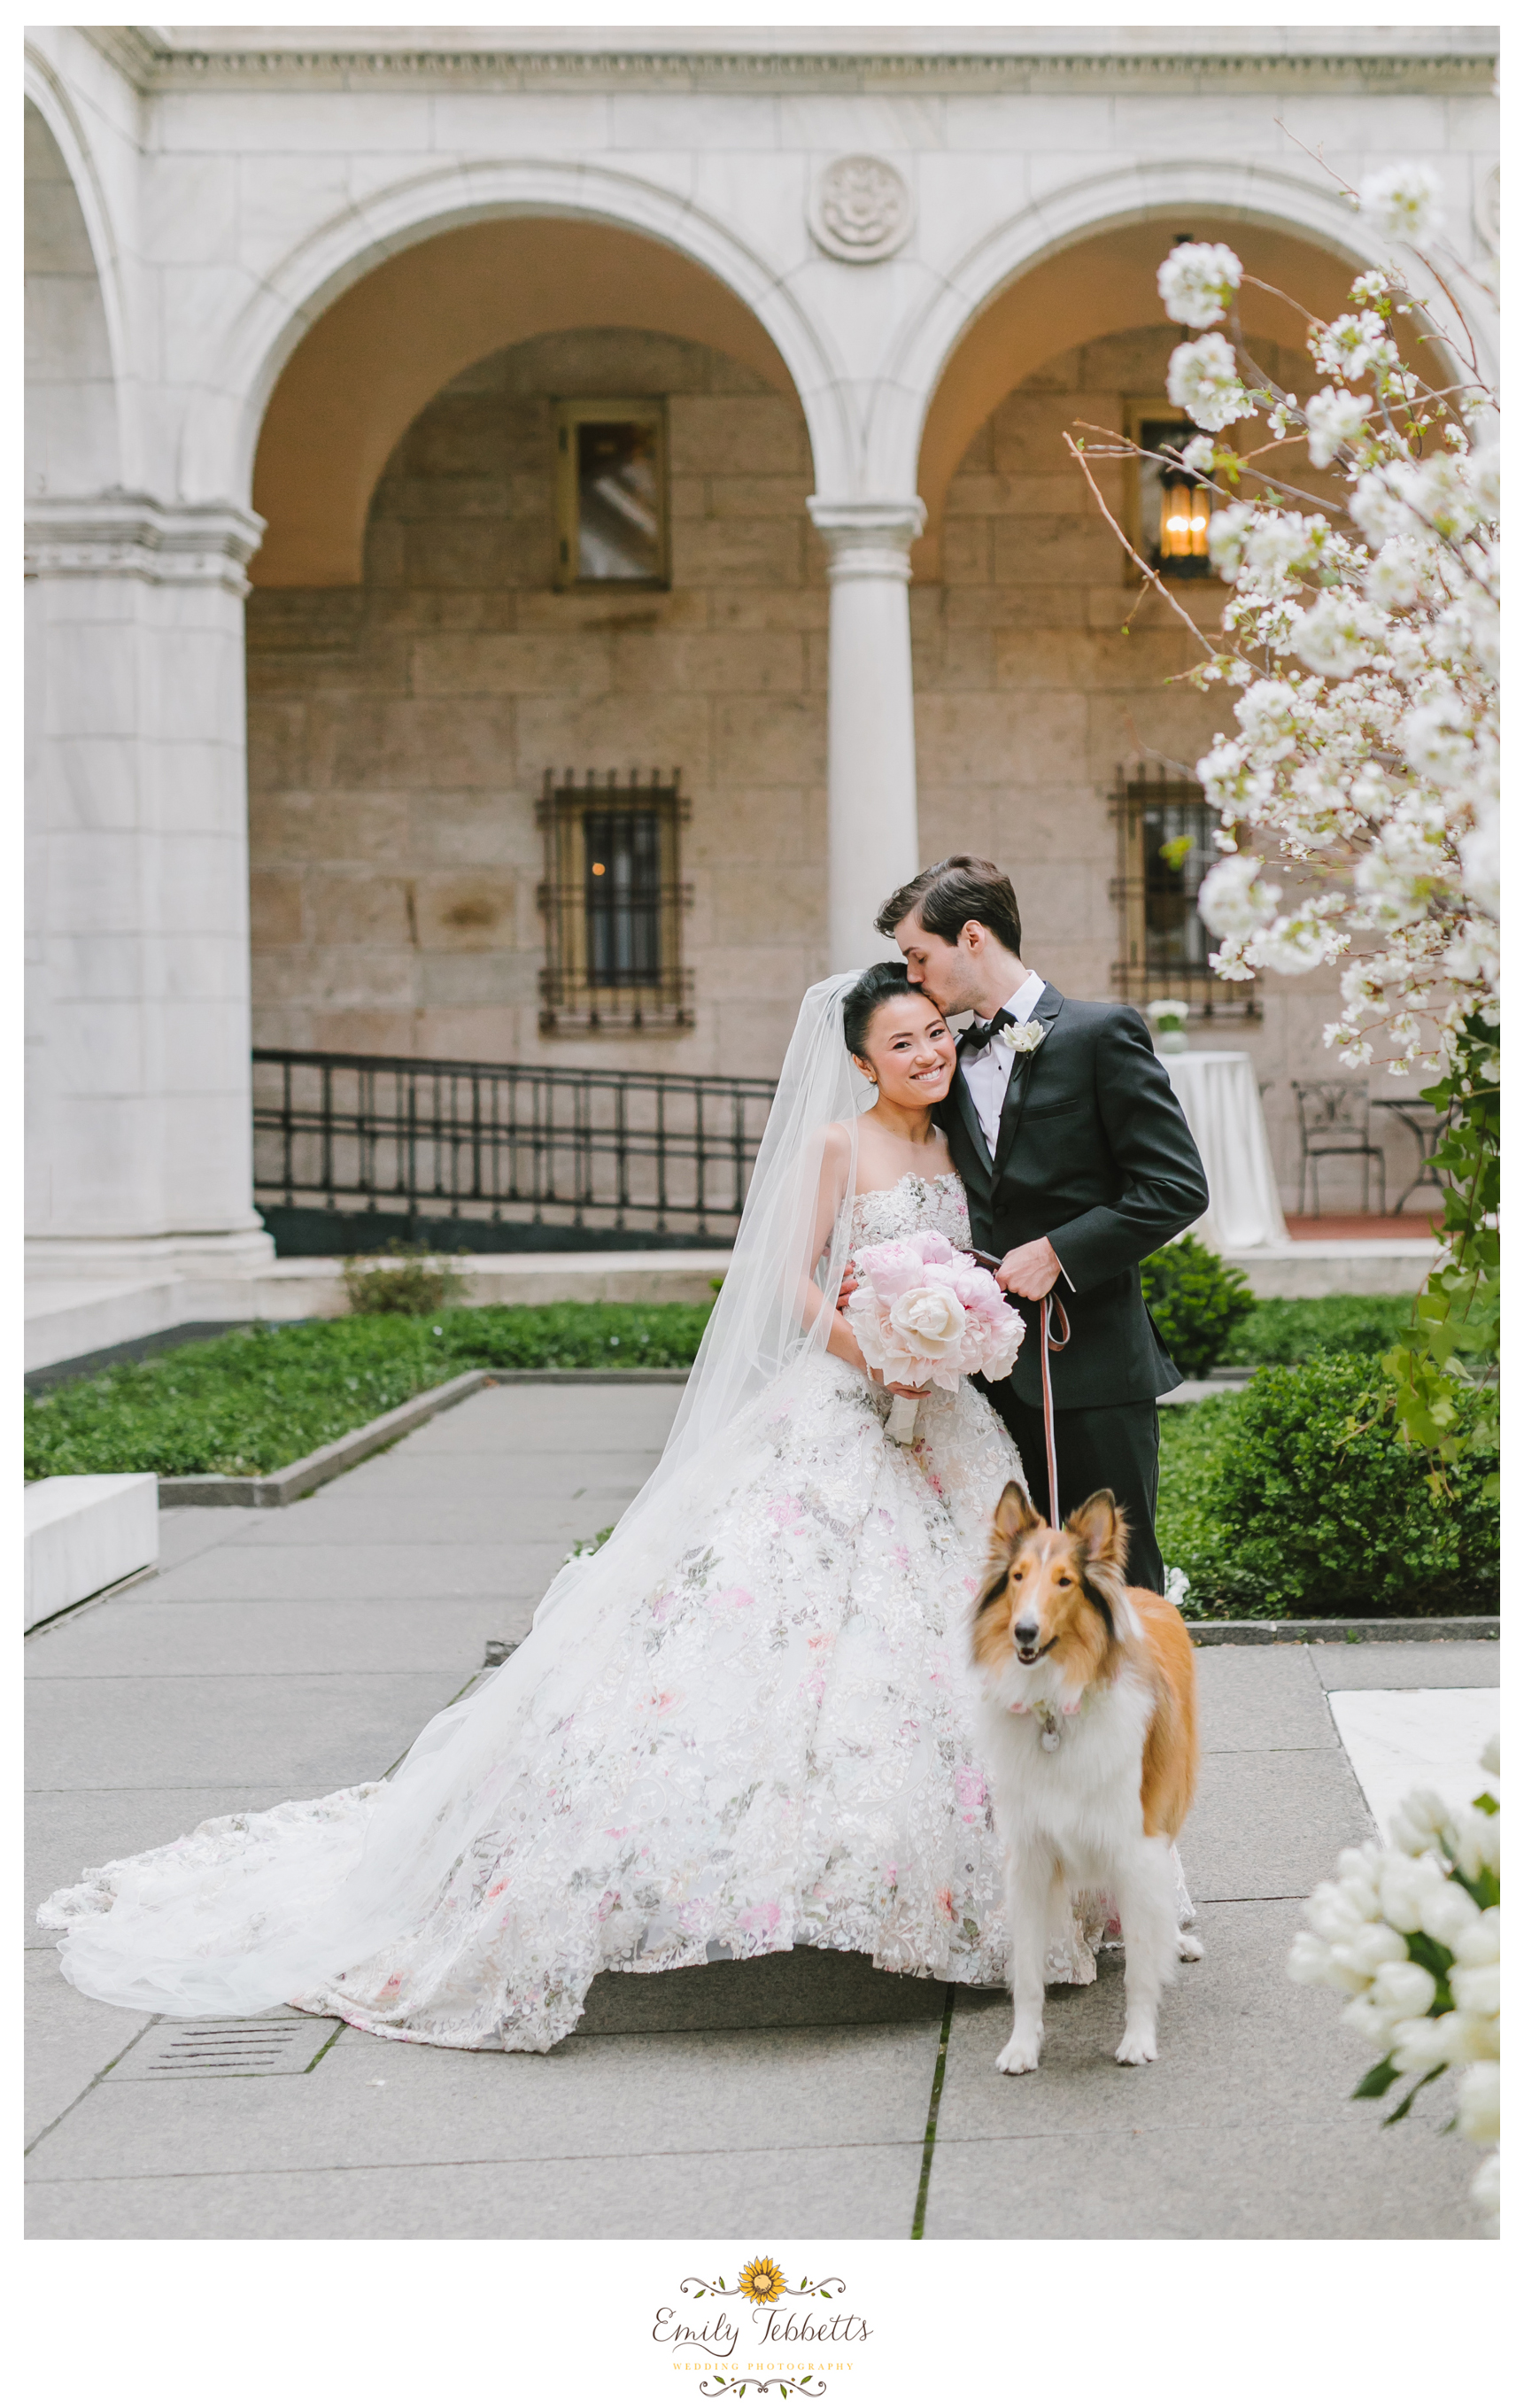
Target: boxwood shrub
{"x":1295,"y":1497}
{"x":1198,"y":1301}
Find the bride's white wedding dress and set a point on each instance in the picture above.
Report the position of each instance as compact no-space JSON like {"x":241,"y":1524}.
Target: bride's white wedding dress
{"x":777,"y":1752}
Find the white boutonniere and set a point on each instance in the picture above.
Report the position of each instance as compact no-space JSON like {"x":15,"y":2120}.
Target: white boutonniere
{"x":1025,"y":1037}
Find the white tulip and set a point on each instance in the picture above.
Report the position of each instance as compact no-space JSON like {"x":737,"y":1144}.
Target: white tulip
{"x":1374,"y":1945}
{"x":1485,"y":2187}
{"x":1375,"y":2024}
{"x":1403,"y":1989}
{"x":1478,"y":2101}
{"x":1310,"y":1962}
{"x":1418,"y":1824}
{"x":1478,"y":1843}
{"x":1476,"y":1988}
{"x":1481,"y":1943}
{"x":1421,"y":2043}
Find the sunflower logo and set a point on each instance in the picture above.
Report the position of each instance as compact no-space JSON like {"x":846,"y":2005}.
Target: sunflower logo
{"x":762,"y":2281}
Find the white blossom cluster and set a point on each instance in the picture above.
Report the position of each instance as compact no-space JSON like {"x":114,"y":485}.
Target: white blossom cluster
{"x":1363,"y":643}
{"x":1403,"y":1935}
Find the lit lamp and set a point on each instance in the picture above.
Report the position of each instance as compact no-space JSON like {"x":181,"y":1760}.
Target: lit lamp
{"x":1184,"y":515}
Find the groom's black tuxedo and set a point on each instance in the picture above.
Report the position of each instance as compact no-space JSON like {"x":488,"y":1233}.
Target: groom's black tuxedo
{"x":1094,"y":1155}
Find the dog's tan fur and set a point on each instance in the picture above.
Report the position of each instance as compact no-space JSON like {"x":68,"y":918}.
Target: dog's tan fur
{"x":1074,"y":1578}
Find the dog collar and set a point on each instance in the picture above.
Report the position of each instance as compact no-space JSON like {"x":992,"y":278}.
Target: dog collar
{"x":1049,"y":1723}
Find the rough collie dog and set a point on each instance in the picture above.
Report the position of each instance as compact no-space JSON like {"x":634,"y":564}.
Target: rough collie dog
{"x":1089,"y":1729}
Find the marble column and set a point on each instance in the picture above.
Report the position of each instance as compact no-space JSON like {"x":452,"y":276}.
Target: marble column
{"x":873,"y":842}
{"x":138,"y":914}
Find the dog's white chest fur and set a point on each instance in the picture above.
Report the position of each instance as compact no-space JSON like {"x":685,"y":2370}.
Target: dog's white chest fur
{"x":1079,"y":1799}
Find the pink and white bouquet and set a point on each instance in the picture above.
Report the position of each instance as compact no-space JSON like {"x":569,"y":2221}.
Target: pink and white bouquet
{"x":922,"y":1312}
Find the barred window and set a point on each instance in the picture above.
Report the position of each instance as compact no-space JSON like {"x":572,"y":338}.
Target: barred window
{"x":613,"y":902}
{"x":1165,"y":848}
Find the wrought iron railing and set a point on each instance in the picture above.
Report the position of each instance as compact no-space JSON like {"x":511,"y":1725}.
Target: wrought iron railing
{"x":504,"y":1154}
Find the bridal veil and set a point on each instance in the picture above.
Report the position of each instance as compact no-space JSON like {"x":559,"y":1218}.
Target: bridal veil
{"x":249,"y":1911}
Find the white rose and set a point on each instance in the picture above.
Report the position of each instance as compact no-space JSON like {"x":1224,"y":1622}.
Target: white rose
{"x":929,"y":1320}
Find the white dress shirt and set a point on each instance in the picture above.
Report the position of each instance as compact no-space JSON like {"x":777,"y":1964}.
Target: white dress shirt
{"x":988,"y":1073}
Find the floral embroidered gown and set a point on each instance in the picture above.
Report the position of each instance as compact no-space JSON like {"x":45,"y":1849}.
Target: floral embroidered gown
{"x":777,"y":1751}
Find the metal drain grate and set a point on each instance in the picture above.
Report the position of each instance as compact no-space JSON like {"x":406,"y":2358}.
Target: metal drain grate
{"x":176,"y":2052}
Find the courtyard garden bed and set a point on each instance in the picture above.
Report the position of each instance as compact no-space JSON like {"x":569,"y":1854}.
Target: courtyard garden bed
{"x":264,"y":1397}
{"x":1268,"y":1502}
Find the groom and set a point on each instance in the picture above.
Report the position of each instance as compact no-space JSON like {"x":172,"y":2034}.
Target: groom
{"x":1077,"y":1161}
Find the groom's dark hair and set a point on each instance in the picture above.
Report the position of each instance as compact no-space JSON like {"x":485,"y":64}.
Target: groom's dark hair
{"x":950,"y":894}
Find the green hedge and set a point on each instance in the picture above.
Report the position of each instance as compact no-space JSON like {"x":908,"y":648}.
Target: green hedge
{"x":262,"y":1396}
{"x":1294,"y":1498}
{"x":1289,"y":1329}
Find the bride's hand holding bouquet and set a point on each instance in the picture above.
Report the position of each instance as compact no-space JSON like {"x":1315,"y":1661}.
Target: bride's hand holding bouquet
{"x":925,"y":1315}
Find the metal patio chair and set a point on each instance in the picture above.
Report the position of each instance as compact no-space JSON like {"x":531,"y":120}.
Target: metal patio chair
{"x":1334,"y":1115}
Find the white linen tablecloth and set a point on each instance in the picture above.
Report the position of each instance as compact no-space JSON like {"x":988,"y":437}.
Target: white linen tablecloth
{"x":1220,"y":1098}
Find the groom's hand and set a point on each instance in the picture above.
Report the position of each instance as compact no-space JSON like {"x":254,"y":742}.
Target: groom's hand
{"x":1029,"y":1270}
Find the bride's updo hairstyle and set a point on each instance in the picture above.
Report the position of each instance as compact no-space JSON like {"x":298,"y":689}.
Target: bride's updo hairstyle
{"x":879,"y":983}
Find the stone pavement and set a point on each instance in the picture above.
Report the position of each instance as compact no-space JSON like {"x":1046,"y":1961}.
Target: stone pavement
{"x":287,"y":1654}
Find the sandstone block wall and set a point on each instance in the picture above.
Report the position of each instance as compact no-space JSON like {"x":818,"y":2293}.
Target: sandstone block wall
{"x":399,"y":733}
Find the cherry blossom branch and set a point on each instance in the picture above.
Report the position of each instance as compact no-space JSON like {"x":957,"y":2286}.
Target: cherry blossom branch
{"x":1077,"y":452}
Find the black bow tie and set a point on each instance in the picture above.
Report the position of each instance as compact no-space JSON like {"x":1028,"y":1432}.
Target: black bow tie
{"x":974,"y":1040}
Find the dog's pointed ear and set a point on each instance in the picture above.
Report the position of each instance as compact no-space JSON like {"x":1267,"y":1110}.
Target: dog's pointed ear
{"x":1013,"y":1514}
{"x":1102,"y":1528}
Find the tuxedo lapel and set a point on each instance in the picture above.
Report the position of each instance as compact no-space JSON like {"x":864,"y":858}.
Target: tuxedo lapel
{"x":1050,"y":1003}
{"x":964,"y":1101}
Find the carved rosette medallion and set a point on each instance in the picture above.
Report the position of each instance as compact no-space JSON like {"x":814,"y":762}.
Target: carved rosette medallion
{"x":861,"y":209}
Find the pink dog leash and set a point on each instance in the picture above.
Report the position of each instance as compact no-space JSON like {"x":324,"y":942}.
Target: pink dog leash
{"x":1051,"y":1346}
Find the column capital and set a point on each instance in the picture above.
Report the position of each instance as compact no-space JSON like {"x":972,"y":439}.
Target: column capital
{"x":867,"y":538}
{"x":132,"y":535}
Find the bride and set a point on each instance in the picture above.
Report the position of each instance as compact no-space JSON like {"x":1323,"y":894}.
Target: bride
{"x":745,"y":1725}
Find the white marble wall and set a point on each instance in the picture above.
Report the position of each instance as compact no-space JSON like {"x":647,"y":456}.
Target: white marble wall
{"x":230,"y":183}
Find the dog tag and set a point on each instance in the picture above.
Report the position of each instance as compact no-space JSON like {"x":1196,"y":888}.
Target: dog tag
{"x":1051,"y":1739}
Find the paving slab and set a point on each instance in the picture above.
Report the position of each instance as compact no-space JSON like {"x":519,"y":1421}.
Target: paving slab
{"x":303,"y":1734}
{"x":386,"y":2102}
{"x":276,"y":1636}
{"x":1239,"y":2043}
{"x":868,"y":2193}
{"x":1410,"y":1664}
{"x":527,"y":1420}
{"x":70,"y":2040}
{"x":486,"y":1471}
{"x":1343,"y":2180}
{"x":482,"y":1519}
{"x":1260,"y":1698}
{"x":1399,"y":1739}
{"x":1270,"y":1823}
{"x":231,"y":1574}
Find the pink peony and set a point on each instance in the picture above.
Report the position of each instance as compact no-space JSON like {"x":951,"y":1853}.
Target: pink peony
{"x":922,"y":1312}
